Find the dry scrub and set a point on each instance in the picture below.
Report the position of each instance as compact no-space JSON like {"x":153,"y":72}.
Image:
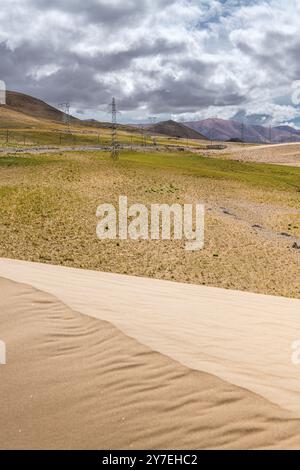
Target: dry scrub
{"x":48,"y":206}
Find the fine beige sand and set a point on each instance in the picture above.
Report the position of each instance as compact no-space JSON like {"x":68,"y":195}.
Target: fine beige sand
{"x":279,"y":154}
{"x":97,"y":360}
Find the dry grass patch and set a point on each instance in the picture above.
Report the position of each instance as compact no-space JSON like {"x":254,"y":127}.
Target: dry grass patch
{"x":48,"y":205}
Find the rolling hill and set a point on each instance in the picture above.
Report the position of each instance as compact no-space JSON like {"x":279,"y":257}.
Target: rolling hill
{"x":175,"y":129}
{"x":11,"y":119}
{"x":33,"y":107}
{"x":24,"y":111}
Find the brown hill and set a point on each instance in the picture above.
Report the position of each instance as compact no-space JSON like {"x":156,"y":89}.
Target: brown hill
{"x":175,"y":129}
{"x":33,"y":107}
{"x":10,"y":119}
{"x":26,"y":111}
{"x":108,"y":125}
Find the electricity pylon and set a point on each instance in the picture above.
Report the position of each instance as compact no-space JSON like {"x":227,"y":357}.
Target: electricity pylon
{"x":65,"y":108}
{"x":114,"y":137}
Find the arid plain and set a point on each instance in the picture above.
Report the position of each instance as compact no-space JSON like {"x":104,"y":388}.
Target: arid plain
{"x":97,"y":336}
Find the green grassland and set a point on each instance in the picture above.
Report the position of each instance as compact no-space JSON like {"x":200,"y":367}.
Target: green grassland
{"x":79,"y":136}
{"x":256,"y":174}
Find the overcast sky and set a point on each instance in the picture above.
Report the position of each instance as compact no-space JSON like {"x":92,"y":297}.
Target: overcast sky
{"x":185,"y":59}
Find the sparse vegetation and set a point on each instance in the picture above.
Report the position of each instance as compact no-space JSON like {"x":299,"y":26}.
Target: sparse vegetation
{"x":48,"y":204}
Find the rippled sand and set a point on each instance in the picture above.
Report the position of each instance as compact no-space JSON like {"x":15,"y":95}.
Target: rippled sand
{"x":99,"y":360}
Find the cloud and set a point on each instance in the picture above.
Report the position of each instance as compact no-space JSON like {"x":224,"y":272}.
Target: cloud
{"x":183,"y":58}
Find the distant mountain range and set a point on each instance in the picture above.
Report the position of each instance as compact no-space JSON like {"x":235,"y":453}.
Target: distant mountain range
{"x":225,"y":130}
{"x":230,"y":130}
{"x":26,"y":110}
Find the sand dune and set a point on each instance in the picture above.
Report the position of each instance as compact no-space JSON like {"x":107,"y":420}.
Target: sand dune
{"x":280,"y":154}
{"x":241,"y":337}
{"x":76,"y":382}
{"x":99,"y":360}
{"x":287,"y":154}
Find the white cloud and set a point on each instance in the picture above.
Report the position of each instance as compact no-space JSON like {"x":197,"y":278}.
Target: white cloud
{"x":164,"y":57}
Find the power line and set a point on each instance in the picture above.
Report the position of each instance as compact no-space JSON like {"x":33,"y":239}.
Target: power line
{"x":114,"y":136}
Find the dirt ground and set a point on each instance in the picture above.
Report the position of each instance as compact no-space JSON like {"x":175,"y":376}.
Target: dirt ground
{"x":48,"y":214}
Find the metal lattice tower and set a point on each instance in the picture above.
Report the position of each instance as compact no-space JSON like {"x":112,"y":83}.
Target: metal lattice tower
{"x":270,"y":134}
{"x":152,"y":120}
{"x":243,"y":132}
{"x":65,"y":108}
{"x":114,"y":137}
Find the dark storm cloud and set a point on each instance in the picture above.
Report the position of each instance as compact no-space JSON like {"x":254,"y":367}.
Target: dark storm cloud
{"x":76,"y":78}
{"x":101,"y":11}
{"x":168,"y":96}
{"x":120,"y":60}
{"x":94,"y":11}
{"x":162,"y":56}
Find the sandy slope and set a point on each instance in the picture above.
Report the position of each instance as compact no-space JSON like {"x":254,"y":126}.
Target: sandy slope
{"x":221,"y":375}
{"x":280,"y":154}
{"x":73,"y":381}
{"x":241,"y":337}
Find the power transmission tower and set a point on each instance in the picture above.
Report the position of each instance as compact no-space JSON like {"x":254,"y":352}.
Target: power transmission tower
{"x":65,"y":108}
{"x":143,"y":136}
{"x":114,"y":137}
{"x":270,"y":134}
{"x":152,"y":120}
{"x":243,"y":132}
{"x":211,"y":135}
